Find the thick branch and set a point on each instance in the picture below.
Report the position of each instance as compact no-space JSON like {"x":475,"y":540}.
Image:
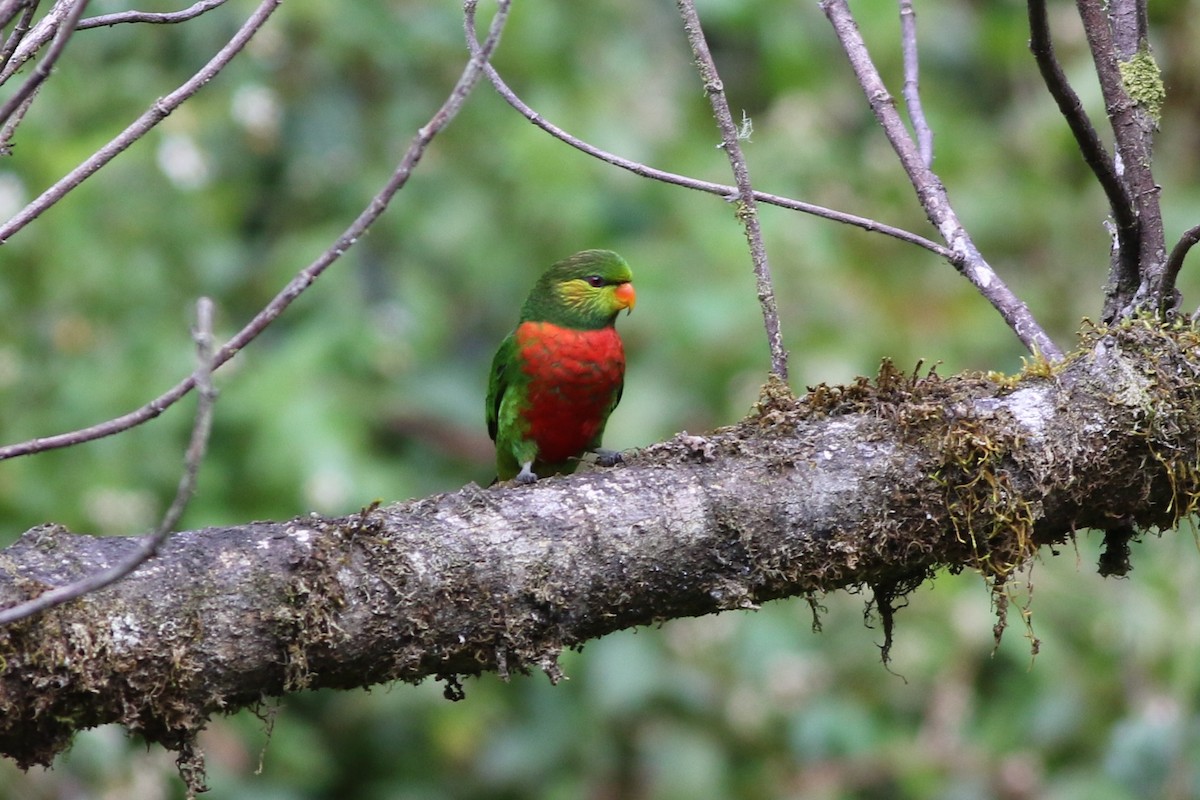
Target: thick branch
{"x":877,"y":484}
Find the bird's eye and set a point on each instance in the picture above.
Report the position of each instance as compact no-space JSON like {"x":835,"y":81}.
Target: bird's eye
{"x":594,"y":281}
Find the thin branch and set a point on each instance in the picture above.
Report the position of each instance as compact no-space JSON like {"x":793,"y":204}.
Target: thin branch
{"x":151,"y":117}
{"x":305,"y":278}
{"x":19,"y":30}
{"x":912,"y":85}
{"x":719,"y":189}
{"x":45,"y":30}
{"x":9,"y":129}
{"x":10,"y":8}
{"x":203,"y":336}
{"x":1179,"y":253}
{"x":930,"y":191}
{"x":42,"y":70}
{"x":1095,"y":154}
{"x":747,"y":208}
{"x":148,"y":546}
{"x":191,"y":12}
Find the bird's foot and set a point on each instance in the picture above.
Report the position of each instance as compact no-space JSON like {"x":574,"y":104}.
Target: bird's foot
{"x":608,"y":458}
{"x":526,"y":475}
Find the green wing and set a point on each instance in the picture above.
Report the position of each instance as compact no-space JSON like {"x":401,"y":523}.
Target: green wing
{"x":498,"y":384}
{"x":594,"y":445}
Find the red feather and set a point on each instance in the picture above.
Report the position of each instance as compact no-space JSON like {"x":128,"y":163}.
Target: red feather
{"x":574,"y":378}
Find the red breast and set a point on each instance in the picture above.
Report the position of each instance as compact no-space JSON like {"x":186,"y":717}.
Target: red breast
{"x":573,"y":377}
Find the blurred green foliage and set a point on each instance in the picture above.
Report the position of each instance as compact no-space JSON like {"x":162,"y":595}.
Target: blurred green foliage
{"x":371,"y":385}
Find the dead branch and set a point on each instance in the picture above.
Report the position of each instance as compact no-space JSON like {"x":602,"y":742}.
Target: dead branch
{"x":912,"y":82}
{"x":156,"y":18}
{"x":42,"y":71}
{"x":1095,"y":154}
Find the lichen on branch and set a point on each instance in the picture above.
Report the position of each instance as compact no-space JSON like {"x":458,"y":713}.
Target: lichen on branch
{"x":1143,"y":82}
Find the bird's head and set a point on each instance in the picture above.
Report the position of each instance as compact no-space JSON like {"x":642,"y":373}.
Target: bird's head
{"x":586,"y":290}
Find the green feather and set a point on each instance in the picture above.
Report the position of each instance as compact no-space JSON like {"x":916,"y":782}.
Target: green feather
{"x":562,"y":295}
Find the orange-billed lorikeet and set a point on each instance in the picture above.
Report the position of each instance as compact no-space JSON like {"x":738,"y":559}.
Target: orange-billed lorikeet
{"x":559,"y":374}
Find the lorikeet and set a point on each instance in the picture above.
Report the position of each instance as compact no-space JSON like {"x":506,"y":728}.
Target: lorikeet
{"x":559,"y":374}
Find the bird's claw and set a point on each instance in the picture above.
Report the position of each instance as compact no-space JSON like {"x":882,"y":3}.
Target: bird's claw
{"x":526,"y":475}
{"x":608,"y":458}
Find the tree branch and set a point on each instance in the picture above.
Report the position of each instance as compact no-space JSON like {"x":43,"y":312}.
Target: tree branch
{"x":720,"y":189}
{"x":747,"y":208}
{"x":148,"y":546}
{"x":1179,"y":253}
{"x":19,"y":30}
{"x":139,"y":127}
{"x":1124,"y":270}
{"x":870,"y":484}
{"x":170,"y":17}
{"x":1116,"y":32}
{"x":930,"y":191}
{"x":42,"y":32}
{"x":42,"y":71}
{"x":912,"y":83}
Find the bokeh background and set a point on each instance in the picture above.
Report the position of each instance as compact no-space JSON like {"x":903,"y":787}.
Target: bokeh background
{"x":371,"y":386}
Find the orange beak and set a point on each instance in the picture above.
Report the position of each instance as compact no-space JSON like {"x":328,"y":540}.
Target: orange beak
{"x":626,"y":296}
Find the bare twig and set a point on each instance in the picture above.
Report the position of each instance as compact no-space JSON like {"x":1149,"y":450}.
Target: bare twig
{"x":1179,"y":253}
{"x":203,"y":336}
{"x":1095,"y":154}
{"x":10,"y":8}
{"x":151,"y":117}
{"x":191,"y":12}
{"x":148,"y":547}
{"x":138,"y":128}
{"x":9,"y":129}
{"x":931,"y":192}
{"x":19,"y":30}
{"x":305,"y":278}
{"x":1117,"y":35}
{"x":912,"y":84}
{"x":45,"y":30}
{"x":42,"y":71}
{"x":720,"y":189}
{"x":747,"y":208}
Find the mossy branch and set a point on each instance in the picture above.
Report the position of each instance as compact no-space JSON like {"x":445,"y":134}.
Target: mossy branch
{"x":880,"y":483}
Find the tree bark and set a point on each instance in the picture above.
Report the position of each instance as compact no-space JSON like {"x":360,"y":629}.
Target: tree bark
{"x":878,"y":483}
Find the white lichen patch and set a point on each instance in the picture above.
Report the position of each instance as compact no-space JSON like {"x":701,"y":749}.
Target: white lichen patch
{"x":302,"y":535}
{"x":125,"y":633}
{"x":1031,"y":408}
